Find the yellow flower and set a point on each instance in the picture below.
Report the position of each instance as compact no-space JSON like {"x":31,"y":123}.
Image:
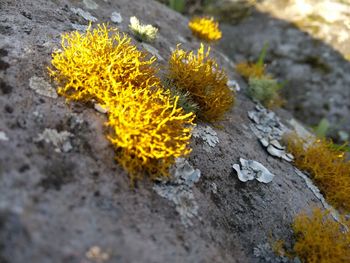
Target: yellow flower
{"x":205,"y":28}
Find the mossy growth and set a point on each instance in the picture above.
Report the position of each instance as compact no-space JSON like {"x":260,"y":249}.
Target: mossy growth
{"x":265,"y":91}
{"x":145,"y":124}
{"x":145,"y":33}
{"x":205,"y":28}
{"x":327,"y":165}
{"x":250,"y":70}
{"x":319,"y":239}
{"x":261,"y":86}
{"x":206,"y":83}
{"x":185,"y":100}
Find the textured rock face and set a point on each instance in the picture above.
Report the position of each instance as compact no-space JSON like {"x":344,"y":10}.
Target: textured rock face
{"x":308,"y":48}
{"x":76,"y":205}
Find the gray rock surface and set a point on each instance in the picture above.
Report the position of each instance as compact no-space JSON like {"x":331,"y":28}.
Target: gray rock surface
{"x":78,"y":206}
{"x":314,"y":60}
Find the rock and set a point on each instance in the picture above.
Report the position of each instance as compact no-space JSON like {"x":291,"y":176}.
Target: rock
{"x":251,"y":170}
{"x":116,"y":17}
{"x":64,"y":204}
{"x":42,"y":87}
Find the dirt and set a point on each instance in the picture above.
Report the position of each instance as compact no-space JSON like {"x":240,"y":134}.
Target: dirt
{"x":55,"y":206}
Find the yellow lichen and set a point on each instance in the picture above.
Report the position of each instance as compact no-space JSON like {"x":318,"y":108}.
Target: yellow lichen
{"x":203,"y":79}
{"x":250,"y":70}
{"x":319,"y":239}
{"x":146,"y":126}
{"x":205,"y":28}
{"x":327,"y":165}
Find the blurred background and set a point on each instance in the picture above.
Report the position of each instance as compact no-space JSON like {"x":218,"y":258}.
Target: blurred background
{"x":308,"y":50}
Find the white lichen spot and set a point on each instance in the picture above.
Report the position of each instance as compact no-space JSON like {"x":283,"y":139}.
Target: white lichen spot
{"x":269,"y":130}
{"x":60,"y":140}
{"x":250,"y":170}
{"x":78,"y":27}
{"x":208,"y":135}
{"x":233,"y":85}
{"x":42,"y":87}
{"x":116,"y":17}
{"x":179,"y":190}
{"x":3,"y":136}
{"x":90,"y":4}
{"x":84,"y":14}
{"x":100,"y":108}
{"x":214,"y":188}
{"x":97,"y":255}
{"x":147,"y":33}
{"x":153,"y":51}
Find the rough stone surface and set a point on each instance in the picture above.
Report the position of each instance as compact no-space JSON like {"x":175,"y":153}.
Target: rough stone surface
{"x":62,"y":206}
{"x":308,"y":48}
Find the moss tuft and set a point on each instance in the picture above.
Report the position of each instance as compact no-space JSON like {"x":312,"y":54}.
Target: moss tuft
{"x":201,"y":76}
{"x":327,"y":165}
{"x":319,"y":239}
{"x":205,"y":28}
{"x":265,"y":91}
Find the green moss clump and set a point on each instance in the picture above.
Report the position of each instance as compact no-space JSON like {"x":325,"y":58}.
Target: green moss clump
{"x":265,"y":90}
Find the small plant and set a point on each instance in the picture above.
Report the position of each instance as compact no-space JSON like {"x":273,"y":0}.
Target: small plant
{"x":177,"y":5}
{"x":319,"y":239}
{"x":145,"y":124}
{"x":265,"y":91}
{"x":201,"y":76}
{"x":205,"y":28}
{"x":322,"y":128}
{"x":327,"y":165}
{"x":250,"y":70}
{"x":146,"y":33}
{"x":254,"y":70}
{"x":261,"y":86}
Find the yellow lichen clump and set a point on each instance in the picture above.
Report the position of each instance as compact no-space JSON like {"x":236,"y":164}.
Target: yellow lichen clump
{"x":319,"y":239}
{"x":203,"y":79}
{"x":250,"y":70}
{"x":205,"y":28}
{"x":327,"y":165}
{"x":146,"y":126}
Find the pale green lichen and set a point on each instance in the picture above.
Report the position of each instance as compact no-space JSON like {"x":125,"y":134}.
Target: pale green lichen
{"x":146,"y":33}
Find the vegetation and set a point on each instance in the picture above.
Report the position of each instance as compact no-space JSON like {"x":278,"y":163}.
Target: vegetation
{"x":319,"y":239}
{"x":201,"y":76}
{"x":327,"y":165}
{"x":265,"y":91}
{"x":146,"y":126}
{"x":177,"y":5}
{"x":205,"y":28}
{"x":261,"y":86}
{"x":145,"y":33}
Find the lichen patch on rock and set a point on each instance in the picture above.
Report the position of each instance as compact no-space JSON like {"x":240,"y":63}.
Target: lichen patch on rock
{"x":61,"y":140}
{"x":269,"y":130}
{"x":250,"y":170}
{"x":42,"y":87}
{"x":179,"y":190}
